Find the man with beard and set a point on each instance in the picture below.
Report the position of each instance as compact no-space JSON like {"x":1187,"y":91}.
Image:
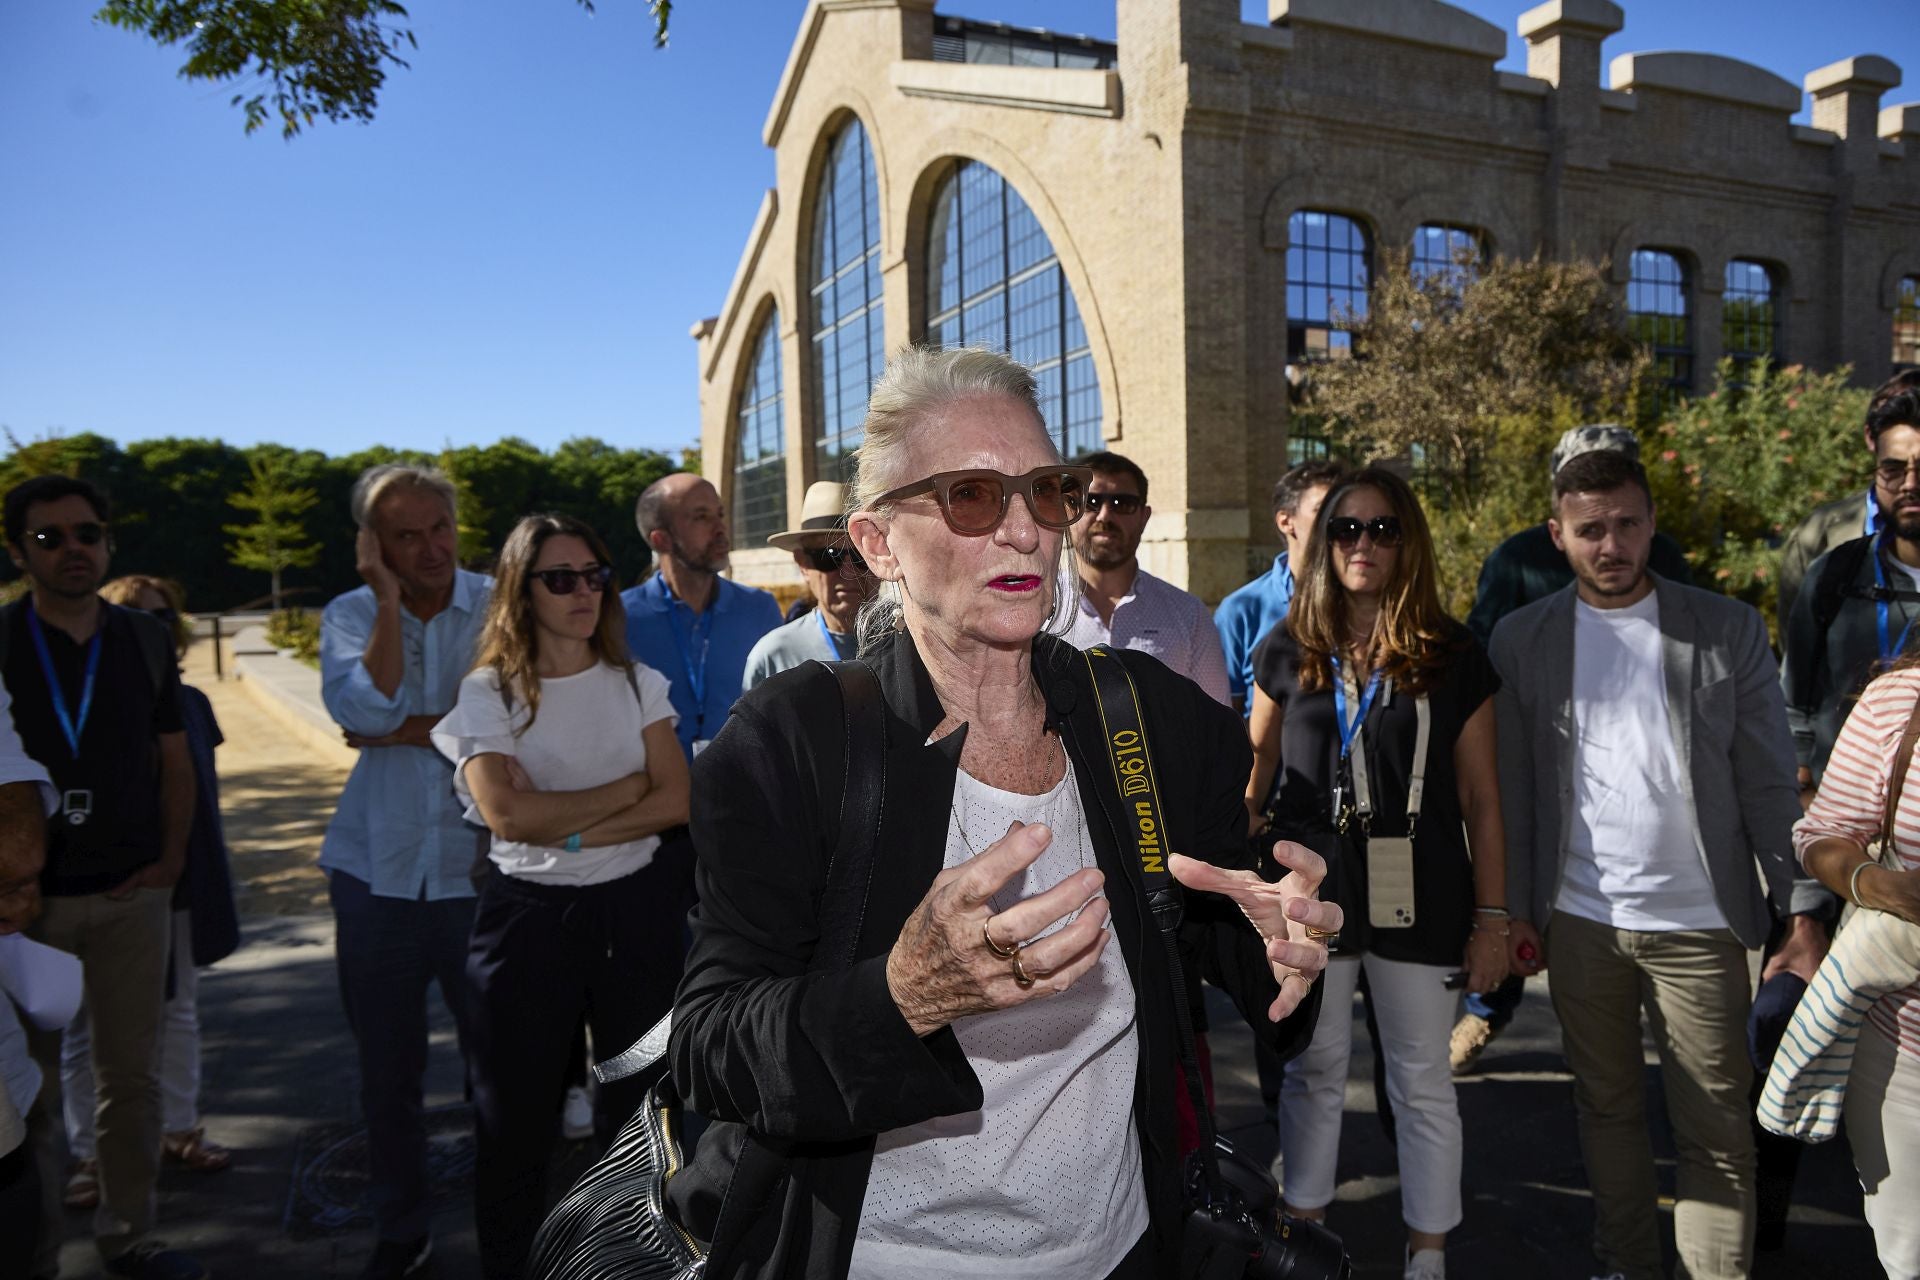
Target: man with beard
{"x":1121,"y":605}
{"x":687,"y":622}
{"x":834,"y":574}
{"x":97,"y":703}
{"x":1645,"y":771}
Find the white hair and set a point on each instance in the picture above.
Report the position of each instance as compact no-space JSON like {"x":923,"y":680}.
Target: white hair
{"x":906,"y":396}
{"x":376,"y":482}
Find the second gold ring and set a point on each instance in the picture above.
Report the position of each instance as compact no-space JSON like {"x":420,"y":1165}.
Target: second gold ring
{"x":1021,"y":977}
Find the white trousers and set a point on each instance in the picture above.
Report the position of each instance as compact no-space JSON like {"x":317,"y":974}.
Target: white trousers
{"x":1416,"y":1014}
{"x":179,"y":1055}
{"x":1883,"y":1127}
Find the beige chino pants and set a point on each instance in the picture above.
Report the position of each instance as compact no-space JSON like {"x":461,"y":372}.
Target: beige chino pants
{"x":1694,"y":989}
{"x":123,"y":950}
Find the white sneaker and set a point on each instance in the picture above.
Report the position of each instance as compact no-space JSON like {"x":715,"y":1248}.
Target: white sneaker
{"x":1427,"y":1264}
{"x":576,"y":1116}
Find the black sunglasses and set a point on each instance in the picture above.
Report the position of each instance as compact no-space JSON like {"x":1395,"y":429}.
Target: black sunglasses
{"x":833,"y":559}
{"x":1346,"y":531}
{"x":975,"y":502}
{"x":1121,"y":504}
{"x":561,"y":582}
{"x":53,"y":537}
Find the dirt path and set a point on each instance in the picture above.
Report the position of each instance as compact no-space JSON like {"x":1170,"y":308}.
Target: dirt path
{"x":275,"y":795}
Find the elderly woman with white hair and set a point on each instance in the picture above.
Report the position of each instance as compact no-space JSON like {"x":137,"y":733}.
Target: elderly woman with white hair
{"x":987,"y":1088}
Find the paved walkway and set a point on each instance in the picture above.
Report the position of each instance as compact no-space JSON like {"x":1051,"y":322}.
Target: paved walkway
{"x":280,"y":1088}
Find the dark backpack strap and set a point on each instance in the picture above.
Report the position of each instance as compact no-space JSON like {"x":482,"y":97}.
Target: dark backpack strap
{"x":1830,"y":592}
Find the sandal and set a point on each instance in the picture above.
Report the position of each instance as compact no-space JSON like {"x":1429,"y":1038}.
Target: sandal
{"x":83,"y":1185}
{"x":192,"y":1149}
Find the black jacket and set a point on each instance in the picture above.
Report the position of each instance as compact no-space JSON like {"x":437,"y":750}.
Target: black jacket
{"x":825,"y":1060}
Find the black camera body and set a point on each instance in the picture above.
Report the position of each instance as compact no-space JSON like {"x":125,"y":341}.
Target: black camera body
{"x":1234,"y":1227}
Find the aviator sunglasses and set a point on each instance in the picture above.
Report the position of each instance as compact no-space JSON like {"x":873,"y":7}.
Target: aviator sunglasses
{"x":1346,"y":531}
{"x":53,"y":537}
{"x":561,"y":582}
{"x":975,"y":502}
{"x":832,"y":559}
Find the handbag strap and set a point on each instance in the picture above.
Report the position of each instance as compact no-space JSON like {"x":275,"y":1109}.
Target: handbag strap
{"x":1902,"y":759}
{"x":1125,"y":733}
{"x":843,"y":903}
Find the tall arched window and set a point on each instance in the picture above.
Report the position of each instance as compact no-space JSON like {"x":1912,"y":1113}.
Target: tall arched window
{"x":1749,"y":314}
{"x":993,"y":280}
{"x":1659,"y":315}
{"x":759,"y":467}
{"x":1453,"y":254}
{"x":849,"y":343}
{"x":1906,"y":325}
{"x":1329,"y":262}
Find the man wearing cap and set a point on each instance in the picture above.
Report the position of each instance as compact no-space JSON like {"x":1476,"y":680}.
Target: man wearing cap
{"x":835,"y":575}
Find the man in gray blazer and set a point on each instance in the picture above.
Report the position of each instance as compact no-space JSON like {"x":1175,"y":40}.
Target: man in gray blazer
{"x":1646,"y":771}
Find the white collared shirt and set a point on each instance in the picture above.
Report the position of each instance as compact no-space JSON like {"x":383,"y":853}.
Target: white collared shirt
{"x":1159,"y":618}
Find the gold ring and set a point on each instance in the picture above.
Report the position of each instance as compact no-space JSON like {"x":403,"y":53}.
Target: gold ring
{"x":1316,"y":935}
{"x":1303,"y":978}
{"x":1005,"y":953}
{"x":1021,"y":977}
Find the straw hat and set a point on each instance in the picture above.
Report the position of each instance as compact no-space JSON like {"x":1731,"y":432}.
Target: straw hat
{"x":823,"y":518}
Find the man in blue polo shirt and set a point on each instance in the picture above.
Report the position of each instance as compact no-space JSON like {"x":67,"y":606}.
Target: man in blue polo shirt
{"x":687,"y":622}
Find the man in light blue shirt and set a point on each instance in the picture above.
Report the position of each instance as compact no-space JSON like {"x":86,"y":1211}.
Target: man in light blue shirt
{"x":687,"y":622}
{"x":399,"y":859}
{"x":1245,"y":616}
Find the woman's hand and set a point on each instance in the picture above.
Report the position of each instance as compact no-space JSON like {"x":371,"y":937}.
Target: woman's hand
{"x":1526,"y":949}
{"x":956,"y":957}
{"x":1486,"y":961}
{"x":1256,"y":819}
{"x":517,"y":775}
{"x":1289,"y":915}
{"x":1894,"y":892}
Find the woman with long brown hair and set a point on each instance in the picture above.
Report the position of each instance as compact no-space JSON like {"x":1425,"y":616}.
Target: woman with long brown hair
{"x":1375,"y":711}
{"x":564,"y":749}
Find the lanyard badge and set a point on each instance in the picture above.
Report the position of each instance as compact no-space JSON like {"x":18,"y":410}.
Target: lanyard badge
{"x":72,"y":723}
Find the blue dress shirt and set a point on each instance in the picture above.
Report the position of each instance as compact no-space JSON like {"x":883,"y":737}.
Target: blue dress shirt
{"x":704,"y":655}
{"x":1245,"y":617}
{"x":398,"y":826}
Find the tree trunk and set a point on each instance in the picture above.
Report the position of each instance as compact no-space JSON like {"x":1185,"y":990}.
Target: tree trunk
{"x":276,"y":590}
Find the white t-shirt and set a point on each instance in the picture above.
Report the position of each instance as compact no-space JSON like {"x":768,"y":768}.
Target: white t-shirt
{"x":1632,"y":861}
{"x":587,"y":733}
{"x":1044,"y":1180}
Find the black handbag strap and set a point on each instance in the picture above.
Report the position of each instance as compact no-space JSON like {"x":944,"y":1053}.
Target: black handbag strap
{"x":1125,"y":733}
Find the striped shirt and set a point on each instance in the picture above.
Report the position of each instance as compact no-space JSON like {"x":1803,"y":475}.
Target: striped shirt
{"x":1852,"y":802}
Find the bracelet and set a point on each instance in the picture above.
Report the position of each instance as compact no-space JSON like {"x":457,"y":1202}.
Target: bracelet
{"x":1853,"y":883}
{"x":572,"y":844}
{"x":1500,"y":913}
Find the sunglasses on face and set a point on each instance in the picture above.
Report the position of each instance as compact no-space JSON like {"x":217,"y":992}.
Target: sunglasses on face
{"x":1120,"y":504}
{"x":1894,"y":470}
{"x":975,"y":502}
{"x":831,"y":559}
{"x":561,"y":582}
{"x":53,"y":537}
{"x":1345,"y":532}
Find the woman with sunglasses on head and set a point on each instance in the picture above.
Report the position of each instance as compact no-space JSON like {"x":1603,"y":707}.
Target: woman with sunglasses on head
{"x":1375,"y":710}
{"x":836,"y":577}
{"x":987,"y":1089}
{"x":565,"y":750}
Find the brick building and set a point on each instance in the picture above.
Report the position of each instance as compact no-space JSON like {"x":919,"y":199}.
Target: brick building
{"x":1162,"y":226}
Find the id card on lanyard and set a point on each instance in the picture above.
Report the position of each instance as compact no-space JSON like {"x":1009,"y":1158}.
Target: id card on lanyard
{"x":1390,"y":888}
{"x":76,"y":805}
{"x":693,"y":649}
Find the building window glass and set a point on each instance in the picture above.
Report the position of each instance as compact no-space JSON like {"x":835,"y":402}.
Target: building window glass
{"x":1749,"y":315}
{"x":1906,"y":325}
{"x":849,"y":343}
{"x":1658,"y":315}
{"x":759,"y":467}
{"x":1453,"y":255}
{"x":1329,"y":260}
{"x":993,"y":280}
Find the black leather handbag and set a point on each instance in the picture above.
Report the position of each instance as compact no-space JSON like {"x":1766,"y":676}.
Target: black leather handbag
{"x":615,"y":1224}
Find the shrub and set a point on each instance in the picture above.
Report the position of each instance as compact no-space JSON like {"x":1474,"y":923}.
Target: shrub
{"x":298,"y":630}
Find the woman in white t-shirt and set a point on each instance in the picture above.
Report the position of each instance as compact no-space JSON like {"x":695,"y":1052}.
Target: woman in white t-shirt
{"x":564,"y":749}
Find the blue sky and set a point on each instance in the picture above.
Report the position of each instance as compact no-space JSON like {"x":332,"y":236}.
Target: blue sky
{"x":517,"y":244}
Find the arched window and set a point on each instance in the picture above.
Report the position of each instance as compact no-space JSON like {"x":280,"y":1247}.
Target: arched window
{"x":759,"y":467}
{"x":849,"y":343}
{"x":1749,"y":315}
{"x":1906,"y":325}
{"x":1659,"y":315}
{"x":1329,"y":261}
{"x":993,"y":280}
{"x":1451,"y":253}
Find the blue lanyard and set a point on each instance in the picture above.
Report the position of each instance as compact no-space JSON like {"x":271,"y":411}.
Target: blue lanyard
{"x":833,"y":647}
{"x":702,"y":633}
{"x":1348,"y":728}
{"x":1885,"y":611}
{"x":70,"y":725}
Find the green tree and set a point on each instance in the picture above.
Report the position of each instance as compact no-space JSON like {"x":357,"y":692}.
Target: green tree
{"x":277,"y":539}
{"x":317,"y":57}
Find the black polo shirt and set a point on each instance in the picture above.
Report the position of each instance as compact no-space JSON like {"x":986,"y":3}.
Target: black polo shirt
{"x":119,"y":761}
